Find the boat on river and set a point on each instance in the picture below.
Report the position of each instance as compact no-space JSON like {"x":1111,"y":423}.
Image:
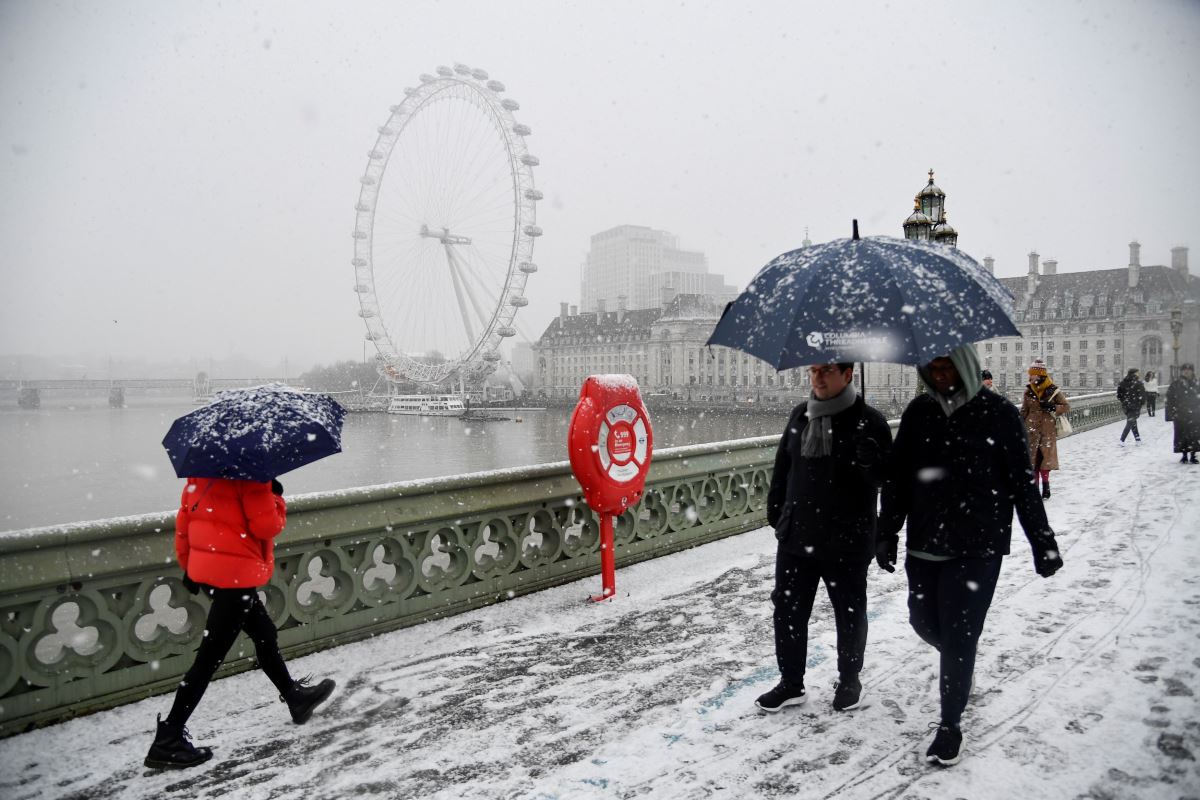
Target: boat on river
{"x":427,"y":405}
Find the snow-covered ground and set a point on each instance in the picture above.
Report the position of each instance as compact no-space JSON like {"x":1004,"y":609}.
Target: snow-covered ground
{"x":1085,"y":687}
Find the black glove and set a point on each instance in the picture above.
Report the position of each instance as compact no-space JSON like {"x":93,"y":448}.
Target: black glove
{"x":276,"y":487}
{"x":885,"y":552}
{"x":1047,"y":405}
{"x":1047,"y":562}
{"x":190,"y":585}
{"x":866,"y":451}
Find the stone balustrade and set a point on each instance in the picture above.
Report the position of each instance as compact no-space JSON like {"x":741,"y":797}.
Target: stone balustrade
{"x":93,"y":615}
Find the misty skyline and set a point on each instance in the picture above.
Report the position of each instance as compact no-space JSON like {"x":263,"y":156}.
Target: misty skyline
{"x":179,"y":180}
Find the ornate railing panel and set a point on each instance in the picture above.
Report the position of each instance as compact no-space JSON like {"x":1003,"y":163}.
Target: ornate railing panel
{"x":94,"y":615}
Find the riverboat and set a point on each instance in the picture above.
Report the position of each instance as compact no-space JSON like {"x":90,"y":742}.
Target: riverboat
{"x":427,"y":405}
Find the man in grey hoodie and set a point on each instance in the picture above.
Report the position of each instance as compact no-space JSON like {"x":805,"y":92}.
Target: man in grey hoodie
{"x":960,"y":465}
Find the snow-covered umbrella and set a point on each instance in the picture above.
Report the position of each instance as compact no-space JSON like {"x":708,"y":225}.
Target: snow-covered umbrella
{"x":255,"y":434}
{"x":874,"y":299}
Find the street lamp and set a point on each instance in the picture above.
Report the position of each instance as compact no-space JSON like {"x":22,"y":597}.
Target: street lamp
{"x":1176,"y":329}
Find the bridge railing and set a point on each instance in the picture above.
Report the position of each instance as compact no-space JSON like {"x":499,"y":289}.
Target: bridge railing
{"x":93,"y":615}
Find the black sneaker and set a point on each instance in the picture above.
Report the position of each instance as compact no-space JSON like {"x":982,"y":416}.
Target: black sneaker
{"x":847,"y":693}
{"x":1194,"y":461}
{"x":173,"y":749}
{"x":303,"y":699}
{"x":946,"y":749}
{"x":784,"y":694}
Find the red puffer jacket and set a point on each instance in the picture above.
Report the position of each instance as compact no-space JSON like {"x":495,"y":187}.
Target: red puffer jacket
{"x":224,"y":531}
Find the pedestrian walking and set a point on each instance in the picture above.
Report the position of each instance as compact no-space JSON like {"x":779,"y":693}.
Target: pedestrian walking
{"x":1151,"y":383}
{"x":224,"y":540}
{"x":1183,"y":409}
{"x":986,"y":377}
{"x":1130,"y":394}
{"x":822,"y":503}
{"x":1042,"y":407}
{"x":960,"y":464}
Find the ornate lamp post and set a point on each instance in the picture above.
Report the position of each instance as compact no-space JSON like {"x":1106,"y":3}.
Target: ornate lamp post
{"x":1176,"y":330}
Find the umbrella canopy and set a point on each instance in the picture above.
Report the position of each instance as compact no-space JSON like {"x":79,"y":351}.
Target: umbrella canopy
{"x":255,"y":434}
{"x":873,"y":299}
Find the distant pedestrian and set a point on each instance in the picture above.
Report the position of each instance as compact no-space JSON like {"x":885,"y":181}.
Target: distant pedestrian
{"x":224,"y":540}
{"x":986,"y":377}
{"x":959,"y":466}
{"x":1151,"y":392}
{"x":1183,"y":408}
{"x":1041,"y":406}
{"x":1130,"y":394}
{"x":822,"y":503}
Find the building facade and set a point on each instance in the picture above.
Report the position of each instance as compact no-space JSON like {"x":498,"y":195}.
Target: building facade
{"x":633,"y":265}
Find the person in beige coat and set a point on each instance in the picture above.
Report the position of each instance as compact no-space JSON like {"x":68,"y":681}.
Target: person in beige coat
{"x":1042,"y":403}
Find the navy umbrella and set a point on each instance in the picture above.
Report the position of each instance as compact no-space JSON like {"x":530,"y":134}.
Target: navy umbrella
{"x":875,"y":299}
{"x":255,"y":434}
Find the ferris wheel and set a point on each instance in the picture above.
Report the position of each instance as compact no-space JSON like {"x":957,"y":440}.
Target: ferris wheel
{"x":444,"y":232}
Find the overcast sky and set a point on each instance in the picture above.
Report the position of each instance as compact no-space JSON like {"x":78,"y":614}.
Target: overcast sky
{"x":179,"y":179}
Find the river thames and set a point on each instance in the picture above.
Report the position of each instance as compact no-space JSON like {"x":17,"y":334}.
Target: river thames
{"x":76,"y":459}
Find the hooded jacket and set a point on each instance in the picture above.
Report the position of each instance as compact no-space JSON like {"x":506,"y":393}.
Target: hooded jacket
{"x":960,"y":465}
{"x":225,"y":531}
{"x":825,"y":507}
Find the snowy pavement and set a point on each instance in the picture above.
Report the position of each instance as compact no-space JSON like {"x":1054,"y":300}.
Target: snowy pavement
{"x":1086,"y":685}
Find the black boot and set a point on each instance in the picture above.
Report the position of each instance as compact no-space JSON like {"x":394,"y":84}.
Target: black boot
{"x":303,"y":699}
{"x":173,"y":749}
{"x":1183,"y":458}
{"x":1194,"y":461}
{"x":1045,"y":490}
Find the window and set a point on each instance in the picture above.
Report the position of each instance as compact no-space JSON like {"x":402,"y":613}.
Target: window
{"x":1050,"y":362}
{"x":1049,"y":346}
{"x":1019,"y":346}
{"x":1033,"y":346}
{"x":1099,"y":378}
{"x":1004,"y":347}
{"x":1067,"y":344}
{"x":1116,"y":344}
{"x":1083,"y":379}
{"x":1099,"y":362}
{"x":1152,"y":352}
{"x":987,"y":348}
{"x":1099,"y":344}
{"x":1083,"y":345}
{"x":1066,"y":362}
{"x":1083,"y":362}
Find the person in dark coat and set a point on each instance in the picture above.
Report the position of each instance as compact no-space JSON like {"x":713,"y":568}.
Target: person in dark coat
{"x":1131,"y":392}
{"x":960,"y":464}
{"x":822,"y":504}
{"x":224,"y":540}
{"x":986,"y":377}
{"x":1183,"y":409}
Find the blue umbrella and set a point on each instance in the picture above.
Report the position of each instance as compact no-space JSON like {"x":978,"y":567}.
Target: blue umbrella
{"x":875,"y":299}
{"x":255,"y":434}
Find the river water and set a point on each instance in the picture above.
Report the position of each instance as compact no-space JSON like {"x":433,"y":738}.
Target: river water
{"x":75,"y":459}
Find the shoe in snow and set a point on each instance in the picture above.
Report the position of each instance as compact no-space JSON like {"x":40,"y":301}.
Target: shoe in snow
{"x":303,"y":699}
{"x":784,"y":694}
{"x":847,"y":693}
{"x":1194,"y":461}
{"x":173,"y":749}
{"x":946,"y":749}
{"x":1045,"y":491}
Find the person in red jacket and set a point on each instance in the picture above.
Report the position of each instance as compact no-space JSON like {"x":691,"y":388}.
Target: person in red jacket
{"x":224,"y":539}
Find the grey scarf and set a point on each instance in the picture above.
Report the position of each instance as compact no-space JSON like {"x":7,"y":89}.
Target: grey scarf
{"x":817,"y":439}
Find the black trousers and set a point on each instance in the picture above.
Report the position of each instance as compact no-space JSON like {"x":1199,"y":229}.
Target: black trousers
{"x":947,"y":604}
{"x":796,"y":581}
{"x":1150,"y":400}
{"x":232,"y":611}
{"x":1131,"y":425}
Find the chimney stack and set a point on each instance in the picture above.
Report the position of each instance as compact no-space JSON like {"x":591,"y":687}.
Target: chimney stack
{"x":1031,"y":286}
{"x":1050,"y":266}
{"x":1179,"y":260}
{"x":1135,"y":263}
{"x":600,"y":305}
{"x":989,"y":264}
{"x":574,"y":310}
{"x":621,"y":300}
{"x":562,"y":310}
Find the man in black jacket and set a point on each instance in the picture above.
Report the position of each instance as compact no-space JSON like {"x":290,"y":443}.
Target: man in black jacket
{"x":959,"y":466}
{"x":1131,"y":393}
{"x":822,"y":504}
